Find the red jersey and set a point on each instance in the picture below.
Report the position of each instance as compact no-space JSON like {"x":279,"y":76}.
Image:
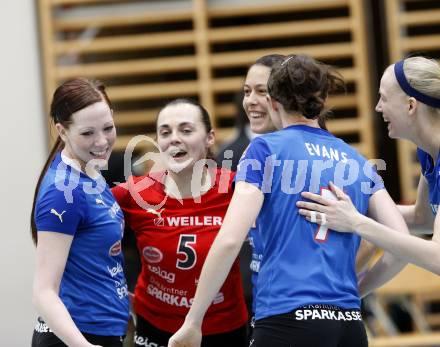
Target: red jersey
{"x":173,"y":242}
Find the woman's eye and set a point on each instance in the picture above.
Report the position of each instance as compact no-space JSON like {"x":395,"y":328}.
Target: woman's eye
{"x":109,"y":128}
{"x":187,"y":131}
{"x":87,"y":133}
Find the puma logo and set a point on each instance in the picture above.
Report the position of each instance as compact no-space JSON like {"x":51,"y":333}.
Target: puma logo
{"x":59,"y":215}
{"x":100,"y":202}
{"x":157,"y":213}
{"x":159,"y":221}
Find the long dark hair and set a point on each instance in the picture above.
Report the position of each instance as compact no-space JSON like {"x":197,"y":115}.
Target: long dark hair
{"x":68,"y":98}
{"x":301,"y":84}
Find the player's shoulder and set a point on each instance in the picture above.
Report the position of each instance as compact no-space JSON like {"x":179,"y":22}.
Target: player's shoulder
{"x":57,"y":189}
{"x":260,"y":143}
{"x":352,"y":152}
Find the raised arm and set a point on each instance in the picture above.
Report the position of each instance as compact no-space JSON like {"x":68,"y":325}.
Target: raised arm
{"x":342,"y":216}
{"x":242,"y":212}
{"x":52,"y":252}
{"x":424,"y":253}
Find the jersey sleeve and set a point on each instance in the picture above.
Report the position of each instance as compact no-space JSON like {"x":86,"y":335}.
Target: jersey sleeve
{"x":53,"y":212}
{"x":255,"y":165}
{"x":121,"y":193}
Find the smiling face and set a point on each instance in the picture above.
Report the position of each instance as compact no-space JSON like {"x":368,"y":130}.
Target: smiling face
{"x":255,"y":102}
{"x":393,"y":104}
{"x":182,"y":136}
{"x":90,"y":135}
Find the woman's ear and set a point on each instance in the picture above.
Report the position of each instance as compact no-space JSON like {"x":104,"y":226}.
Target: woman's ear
{"x":210,"y":139}
{"x":412,"y":105}
{"x":273,"y":104}
{"x":61,"y":130}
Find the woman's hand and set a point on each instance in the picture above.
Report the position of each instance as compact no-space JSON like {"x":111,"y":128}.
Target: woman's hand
{"x":335,"y":211}
{"x":186,"y":336}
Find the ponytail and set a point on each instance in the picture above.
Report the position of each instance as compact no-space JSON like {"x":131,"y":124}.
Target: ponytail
{"x":57,"y":147}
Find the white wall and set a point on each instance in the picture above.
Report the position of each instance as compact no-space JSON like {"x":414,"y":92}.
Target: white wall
{"x":23,"y":149}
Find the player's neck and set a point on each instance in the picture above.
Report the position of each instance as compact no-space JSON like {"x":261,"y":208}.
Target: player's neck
{"x":188,"y":184}
{"x":297,"y":119}
{"x":426,"y":137}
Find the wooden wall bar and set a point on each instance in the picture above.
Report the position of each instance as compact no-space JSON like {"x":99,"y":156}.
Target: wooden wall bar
{"x":148,"y":53}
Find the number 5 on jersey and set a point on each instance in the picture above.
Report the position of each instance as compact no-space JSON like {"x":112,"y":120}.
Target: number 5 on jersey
{"x":322,"y":232}
{"x":189,"y":254}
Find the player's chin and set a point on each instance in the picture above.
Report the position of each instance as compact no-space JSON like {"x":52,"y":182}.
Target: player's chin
{"x":259,"y":126}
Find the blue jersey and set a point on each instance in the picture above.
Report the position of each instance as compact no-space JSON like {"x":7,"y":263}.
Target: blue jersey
{"x":93,"y":287}
{"x":303,"y":263}
{"x":257,"y":256}
{"x":431,"y":171}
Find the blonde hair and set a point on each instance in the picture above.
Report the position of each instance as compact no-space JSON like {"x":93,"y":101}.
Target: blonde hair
{"x":423,"y":74}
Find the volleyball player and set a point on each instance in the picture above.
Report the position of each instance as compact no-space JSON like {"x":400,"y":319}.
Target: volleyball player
{"x":176,"y":215}
{"x":307,"y":292}
{"x":79,"y":288}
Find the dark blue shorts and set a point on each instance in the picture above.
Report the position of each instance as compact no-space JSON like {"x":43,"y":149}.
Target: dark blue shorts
{"x":44,"y":337}
{"x":311,"y":326}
